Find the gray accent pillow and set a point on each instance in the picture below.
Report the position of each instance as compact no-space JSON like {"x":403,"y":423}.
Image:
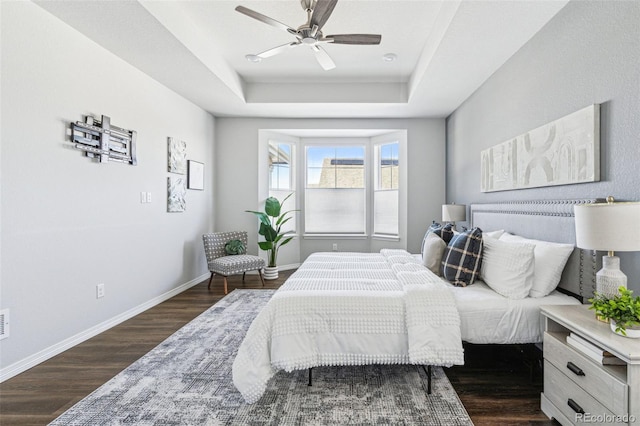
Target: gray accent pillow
{"x":432,"y":250}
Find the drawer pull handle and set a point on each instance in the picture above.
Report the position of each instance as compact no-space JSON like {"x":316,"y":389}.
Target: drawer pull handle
{"x":574,"y":406}
{"x":575,"y":369}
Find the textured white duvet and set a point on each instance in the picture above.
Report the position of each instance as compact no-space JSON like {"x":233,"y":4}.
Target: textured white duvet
{"x":351,"y":309}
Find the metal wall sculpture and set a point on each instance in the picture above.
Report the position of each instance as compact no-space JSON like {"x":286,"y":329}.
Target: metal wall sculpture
{"x":103,"y":141}
{"x":562,"y":152}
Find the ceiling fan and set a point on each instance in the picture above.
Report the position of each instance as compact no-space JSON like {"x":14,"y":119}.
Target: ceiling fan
{"x":310,"y":33}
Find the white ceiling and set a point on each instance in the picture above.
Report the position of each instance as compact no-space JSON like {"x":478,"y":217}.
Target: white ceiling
{"x":445,"y":48}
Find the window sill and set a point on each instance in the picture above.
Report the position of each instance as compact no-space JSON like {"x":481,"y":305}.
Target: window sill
{"x":335,"y":236}
{"x":385,"y":237}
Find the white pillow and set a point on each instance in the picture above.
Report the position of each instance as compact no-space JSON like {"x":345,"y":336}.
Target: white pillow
{"x":507,"y":267}
{"x":550,"y":260}
{"x":493,"y":234}
{"x":432,"y":250}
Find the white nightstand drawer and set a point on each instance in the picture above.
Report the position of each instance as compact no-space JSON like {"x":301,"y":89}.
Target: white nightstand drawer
{"x":572,"y":401}
{"x":593,"y":378}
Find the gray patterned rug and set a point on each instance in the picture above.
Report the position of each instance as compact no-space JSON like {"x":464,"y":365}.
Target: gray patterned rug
{"x":186,"y":380}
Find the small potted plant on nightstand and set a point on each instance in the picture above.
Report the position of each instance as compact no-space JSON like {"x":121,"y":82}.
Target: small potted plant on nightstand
{"x":622,"y":311}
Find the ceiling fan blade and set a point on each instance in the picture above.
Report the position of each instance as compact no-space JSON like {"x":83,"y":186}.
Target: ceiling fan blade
{"x":321,"y":12}
{"x":276,"y":50}
{"x":263,"y":18}
{"x":323,"y":58}
{"x":354,"y":38}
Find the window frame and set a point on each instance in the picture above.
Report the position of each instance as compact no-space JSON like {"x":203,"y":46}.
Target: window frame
{"x":292,"y":226}
{"x":377,"y":160}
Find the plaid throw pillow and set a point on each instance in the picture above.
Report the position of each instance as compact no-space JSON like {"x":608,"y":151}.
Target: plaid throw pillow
{"x":462,"y":258}
{"x":443,"y":231}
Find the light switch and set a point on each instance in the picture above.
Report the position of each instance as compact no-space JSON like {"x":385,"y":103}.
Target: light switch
{"x":143,"y":197}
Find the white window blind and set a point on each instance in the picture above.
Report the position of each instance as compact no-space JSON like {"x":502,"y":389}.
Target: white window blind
{"x":335,"y":190}
{"x":386,"y":189}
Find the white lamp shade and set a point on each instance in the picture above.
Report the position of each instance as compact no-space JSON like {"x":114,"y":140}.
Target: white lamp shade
{"x":454,"y":212}
{"x":608,"y":227}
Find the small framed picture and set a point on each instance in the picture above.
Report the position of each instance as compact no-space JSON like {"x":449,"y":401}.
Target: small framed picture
{"x":195,"y":175}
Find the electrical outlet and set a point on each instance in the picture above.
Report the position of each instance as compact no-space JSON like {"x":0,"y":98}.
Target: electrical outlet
{"x":100,"y":290}
{"x":4,"y":324}
{"x":335,"y":246}
{"x":148,"y":197}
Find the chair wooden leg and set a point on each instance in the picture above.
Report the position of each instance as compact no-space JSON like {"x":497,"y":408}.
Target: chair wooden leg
{"x":243,"y":274}
{"x":210,"y":279}
{"x":261,"y":277}
{"x":225,"y":285}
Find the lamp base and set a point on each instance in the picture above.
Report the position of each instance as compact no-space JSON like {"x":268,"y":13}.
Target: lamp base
{"x":610,"y":277}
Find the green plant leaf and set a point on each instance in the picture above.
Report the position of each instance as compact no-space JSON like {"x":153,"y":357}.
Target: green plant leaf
{"x":265,"y":245}
{"x":286,"y":241}
{"x":272,"y":207}
{"x":283,"y":219}
{"x":268,"y":232}
{"x":263,"y":217}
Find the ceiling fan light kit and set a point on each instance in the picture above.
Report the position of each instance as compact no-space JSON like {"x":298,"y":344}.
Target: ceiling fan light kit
{"x":310,"y":33}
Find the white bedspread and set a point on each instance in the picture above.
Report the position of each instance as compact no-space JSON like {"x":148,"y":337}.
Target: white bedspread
{"x":351,"y":309}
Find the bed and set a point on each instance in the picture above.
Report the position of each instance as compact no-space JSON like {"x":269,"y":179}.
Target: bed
{"x":387,"y":308}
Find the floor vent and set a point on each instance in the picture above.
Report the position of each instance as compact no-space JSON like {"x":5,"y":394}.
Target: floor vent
{"x":4,"y":324}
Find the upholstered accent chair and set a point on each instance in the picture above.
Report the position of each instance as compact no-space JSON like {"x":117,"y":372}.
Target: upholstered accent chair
{"x":222,"y":264}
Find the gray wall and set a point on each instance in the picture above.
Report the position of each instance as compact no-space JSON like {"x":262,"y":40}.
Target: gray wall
{"x":236,"y":175}
{"x":589,"y":53}
{"x":69,"y":223}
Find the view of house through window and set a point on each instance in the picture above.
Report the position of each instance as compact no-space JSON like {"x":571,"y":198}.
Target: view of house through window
{"x":335,"y":190}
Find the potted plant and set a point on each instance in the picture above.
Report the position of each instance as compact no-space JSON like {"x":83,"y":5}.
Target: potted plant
{"x":271,"y":221}
{"x":622,"y":311}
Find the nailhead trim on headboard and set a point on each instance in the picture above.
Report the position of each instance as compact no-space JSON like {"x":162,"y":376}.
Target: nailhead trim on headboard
{"x":542,"y":207}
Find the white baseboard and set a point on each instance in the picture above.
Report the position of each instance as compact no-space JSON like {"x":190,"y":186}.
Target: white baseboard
{"x":45,"y":354}
{"x":289,"y":267}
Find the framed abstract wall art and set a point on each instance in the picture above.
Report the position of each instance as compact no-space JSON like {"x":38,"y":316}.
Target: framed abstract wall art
{"x":177,"y":156}
{"x":565,"y":151}
{"x":176,"y":192}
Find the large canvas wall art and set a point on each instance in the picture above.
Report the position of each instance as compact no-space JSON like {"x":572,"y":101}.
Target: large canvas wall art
{"x":565,"y":151}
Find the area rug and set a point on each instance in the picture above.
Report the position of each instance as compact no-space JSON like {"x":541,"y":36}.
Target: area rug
{"x":186,"y":380}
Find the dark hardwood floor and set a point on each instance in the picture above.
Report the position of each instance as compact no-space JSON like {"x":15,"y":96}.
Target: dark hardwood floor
{"x":495,"y":384}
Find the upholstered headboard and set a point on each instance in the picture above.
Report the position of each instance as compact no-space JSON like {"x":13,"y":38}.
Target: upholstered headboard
{"x":548,"y":220}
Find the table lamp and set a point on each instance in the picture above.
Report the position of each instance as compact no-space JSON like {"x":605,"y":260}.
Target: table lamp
{"x":608,"y":227}
{"x":454,"y":213}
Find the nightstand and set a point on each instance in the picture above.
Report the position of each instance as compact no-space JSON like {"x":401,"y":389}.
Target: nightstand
{"x":579,"y":390}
